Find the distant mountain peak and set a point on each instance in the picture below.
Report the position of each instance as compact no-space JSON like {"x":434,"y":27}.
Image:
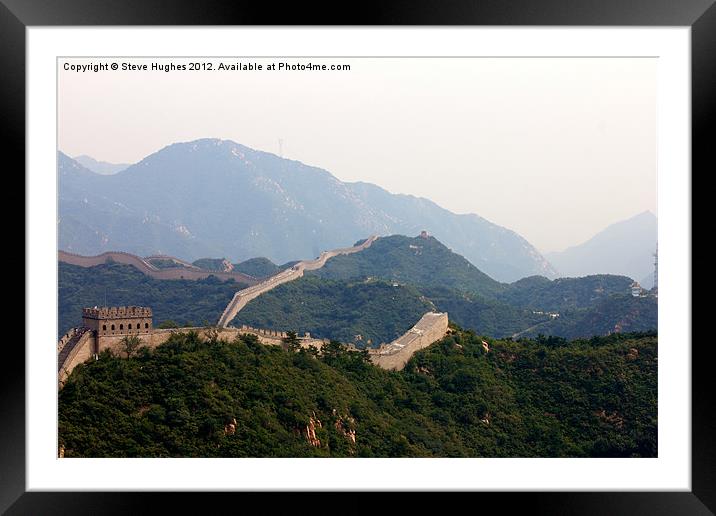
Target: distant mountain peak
{"x":624,"y":247}
{"x":100,"y":167}
{"x":242,"y":203}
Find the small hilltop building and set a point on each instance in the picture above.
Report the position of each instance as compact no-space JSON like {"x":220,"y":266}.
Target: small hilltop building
{"x":102,"y":328}
{"x":117,"y":321}
{"x":637,"y":290}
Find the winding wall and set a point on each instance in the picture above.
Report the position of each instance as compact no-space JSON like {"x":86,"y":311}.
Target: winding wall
{"x":80,"y":344}
{"x":74,"y":351}
{"x":431,"y":327}
{"x":242,"y":297}
{"x":147,"y":268}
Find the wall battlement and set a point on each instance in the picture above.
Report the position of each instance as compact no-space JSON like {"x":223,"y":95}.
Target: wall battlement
{"x":116,"y":312}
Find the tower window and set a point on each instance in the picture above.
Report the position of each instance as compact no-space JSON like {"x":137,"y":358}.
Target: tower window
{"x":121,"y":326}
{"x":113,"y":327}
{"x":146,"y":325}
{"x":104,"y":327}
{"x":129,"y":326}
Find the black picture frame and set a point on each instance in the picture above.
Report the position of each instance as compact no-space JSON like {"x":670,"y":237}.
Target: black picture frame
{"x":700,"y":15}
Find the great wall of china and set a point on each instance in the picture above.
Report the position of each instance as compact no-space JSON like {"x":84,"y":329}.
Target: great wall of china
{"x":430,"y":328}
{"x":81,"y":344}
{"x":190,"y":272}
{"x":242,"y":297}
{"x":84,"y":342}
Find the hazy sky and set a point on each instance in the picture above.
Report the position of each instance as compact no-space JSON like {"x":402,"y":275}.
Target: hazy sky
{"x":555,"y":149}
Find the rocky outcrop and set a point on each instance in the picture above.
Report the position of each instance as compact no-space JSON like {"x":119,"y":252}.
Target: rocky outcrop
{"x":345,"y":425}
{"x":310,"y":431}
{"x":230,"y":427}
{"x":613,"y":419}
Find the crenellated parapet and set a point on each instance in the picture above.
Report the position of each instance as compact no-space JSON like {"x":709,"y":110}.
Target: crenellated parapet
{"x":109,"y":321}
{"x":116,"y":312}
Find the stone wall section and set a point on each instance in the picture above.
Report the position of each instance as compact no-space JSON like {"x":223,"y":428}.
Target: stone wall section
{"x":82,"y":351}
{"x":242,"y":297}
{"x":89,"y":344}
{"x":430,"y":328}
{"x":149,"y":269}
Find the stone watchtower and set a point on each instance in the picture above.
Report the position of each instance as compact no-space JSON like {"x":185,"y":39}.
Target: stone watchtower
{"x":108,"y":322}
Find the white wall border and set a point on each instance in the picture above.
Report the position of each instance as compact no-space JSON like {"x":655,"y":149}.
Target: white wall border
{"x":670,"y":471}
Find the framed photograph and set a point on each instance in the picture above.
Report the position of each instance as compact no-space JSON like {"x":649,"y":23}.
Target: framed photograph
{"x":426,"y":251}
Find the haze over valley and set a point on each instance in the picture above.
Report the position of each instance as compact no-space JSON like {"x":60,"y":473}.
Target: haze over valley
{"x":215,"y":198}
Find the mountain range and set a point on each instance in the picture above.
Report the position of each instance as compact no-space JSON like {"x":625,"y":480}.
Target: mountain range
{"x":625,"y":248}
{"x":215,"y":198}
{"x":100,"y":167}
{"x":378,"y":293}
{"x":401,"y":277}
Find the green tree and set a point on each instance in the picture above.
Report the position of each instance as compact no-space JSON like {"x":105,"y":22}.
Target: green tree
{"x":130,"y":344}
{"x":291,"y":341}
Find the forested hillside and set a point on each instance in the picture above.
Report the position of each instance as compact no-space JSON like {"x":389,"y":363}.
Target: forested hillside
{"x":185,"y":302}
{"x":374,"y":311}
{"x":374,"y":296}
{"x":258,"y":267}
{"x":618,"y":313}
{"x":540,"y":293}
{"x":532,"y":398}
{"x":417,"y":261}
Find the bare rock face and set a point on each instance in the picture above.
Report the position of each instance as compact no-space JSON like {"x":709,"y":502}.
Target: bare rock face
{"x":633,"y":354}
{"x":230,"y":428}
{"x":346,"y":428}
{"x":424,"y":370}
{"x":61,"y":451}
{"x":614,"y":418}
{"x":310,"y":431}
{"x":485,"y":346}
